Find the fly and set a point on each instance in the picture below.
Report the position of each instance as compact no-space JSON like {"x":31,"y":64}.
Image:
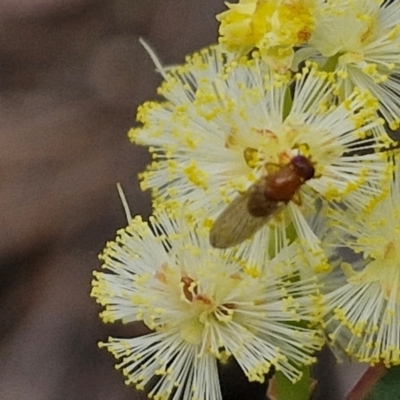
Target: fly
{"x":249,"y":211}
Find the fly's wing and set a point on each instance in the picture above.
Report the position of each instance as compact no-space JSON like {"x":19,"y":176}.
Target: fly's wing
{"x":236,"y":224}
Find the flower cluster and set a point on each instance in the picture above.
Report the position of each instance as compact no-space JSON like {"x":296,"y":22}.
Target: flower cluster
{"x":274,"y":27}
{"x":270,"y":154}
{"x":358,"y":39}
{"x":202,"y":306}
{"x":362,"y":312}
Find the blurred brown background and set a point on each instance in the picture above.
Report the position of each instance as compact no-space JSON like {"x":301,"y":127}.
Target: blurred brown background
{"x":71,"y":76}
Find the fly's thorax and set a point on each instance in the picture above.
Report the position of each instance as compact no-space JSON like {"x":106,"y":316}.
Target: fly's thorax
{"x":284,"y":183}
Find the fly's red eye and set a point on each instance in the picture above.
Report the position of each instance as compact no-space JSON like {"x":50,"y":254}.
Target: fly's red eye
{"x":303,"y":167}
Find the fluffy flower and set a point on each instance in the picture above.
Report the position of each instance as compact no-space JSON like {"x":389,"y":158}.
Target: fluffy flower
{"x":360,"y":40}
{"x":274,"y":27}
{"x":363,"y":312}
{"x":220,"y":130}
{"x":202,"y":307}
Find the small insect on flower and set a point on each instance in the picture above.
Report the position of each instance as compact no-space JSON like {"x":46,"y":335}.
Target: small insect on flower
{"x":249,"y":211}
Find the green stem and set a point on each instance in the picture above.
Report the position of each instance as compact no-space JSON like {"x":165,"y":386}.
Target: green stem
{"x":291,"y":234}
{"x":286,"y":390}
{"x":331,"y":63}
{"x":287,"y":104}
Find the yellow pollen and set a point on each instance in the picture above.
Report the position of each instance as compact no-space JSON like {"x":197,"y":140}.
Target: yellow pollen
{"x":196,"y":175}
{"x":161,"y":274}
{"x":390,"y":251}
{"x":250,"y":156}
{"x":231,"y":140}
